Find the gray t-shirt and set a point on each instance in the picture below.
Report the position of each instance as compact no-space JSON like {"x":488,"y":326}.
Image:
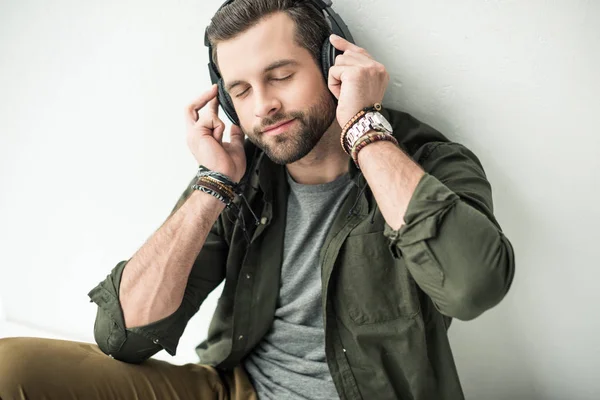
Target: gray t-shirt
{"x":289,"y":362}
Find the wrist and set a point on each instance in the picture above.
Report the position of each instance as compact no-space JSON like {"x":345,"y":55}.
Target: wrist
{"x":368,"y":140}
{"x":205,"y":204}
{"x":200,"y":205}
{"x":217,"y":185}
{"x":374,"y":148}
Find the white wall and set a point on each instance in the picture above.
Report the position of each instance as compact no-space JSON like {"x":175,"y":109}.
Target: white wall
{"x":93,"y":157}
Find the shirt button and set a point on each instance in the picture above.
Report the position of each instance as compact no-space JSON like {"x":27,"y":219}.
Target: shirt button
{"x":155,"y":341}
{"x":344,"y":350}
{"x":248,"y":276}
{"x":263,"y":220}
{"x":241,"y":337}
{"x":111,"y":356}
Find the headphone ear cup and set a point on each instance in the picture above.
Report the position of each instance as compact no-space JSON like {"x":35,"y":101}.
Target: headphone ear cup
{"x":227,"y":103}
{"x":328,"y":54}
{"x":327,"y":60}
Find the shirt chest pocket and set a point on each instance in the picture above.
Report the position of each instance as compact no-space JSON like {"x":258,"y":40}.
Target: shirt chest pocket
{"x":373,"y":286}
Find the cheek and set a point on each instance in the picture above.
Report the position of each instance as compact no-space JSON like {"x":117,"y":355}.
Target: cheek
{"x":245,"y":112}
{"x":244,"y":118}
{"x":246,"y":128}
{"x":310,"y":93}
{"x":309,"y":90}
{"x":247,"y":125}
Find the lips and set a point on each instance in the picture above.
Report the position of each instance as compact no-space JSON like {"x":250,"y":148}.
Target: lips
{"x":273,"y":127}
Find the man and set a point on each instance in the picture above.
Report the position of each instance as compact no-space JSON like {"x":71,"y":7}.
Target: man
{"x":346,"y":285}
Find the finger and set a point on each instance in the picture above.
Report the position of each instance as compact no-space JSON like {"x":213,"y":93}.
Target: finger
{"x":218,"y":130}
{"x":209,"y":115}
{"x":339,"y":74}
{"x":197,"y":104}
{"x":236,"y":136}
{"x":334,"y":82}
{"x":342,"y":44}
{"x":353,"y":58}
{"x":213,"y":106}
{"x":209,"y":124}
{"x":360,"y":54}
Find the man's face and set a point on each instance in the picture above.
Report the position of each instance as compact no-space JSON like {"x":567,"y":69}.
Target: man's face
{"x":272,"y":80}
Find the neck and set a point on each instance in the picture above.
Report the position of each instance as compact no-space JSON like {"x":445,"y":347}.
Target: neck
{"x":325,"y":163}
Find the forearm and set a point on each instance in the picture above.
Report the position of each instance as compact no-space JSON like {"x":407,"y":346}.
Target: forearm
{"x":392,"y":176}
{"x":154,"y":281}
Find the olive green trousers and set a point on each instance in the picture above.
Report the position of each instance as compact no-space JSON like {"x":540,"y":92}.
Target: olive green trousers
{"x":34,"y":368}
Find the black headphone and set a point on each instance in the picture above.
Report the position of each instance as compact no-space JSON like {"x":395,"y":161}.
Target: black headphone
{"x":328,"y":53}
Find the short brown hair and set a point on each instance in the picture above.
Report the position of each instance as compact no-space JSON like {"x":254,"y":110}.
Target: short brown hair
{"x":235,"y":18}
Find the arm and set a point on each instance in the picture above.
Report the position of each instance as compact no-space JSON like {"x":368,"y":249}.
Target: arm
{"x":441,"y":221}
{"x":163,"y":285}
{"x":146,"y":302}
{"x":154,"y":280}
{"x":439,"y":218}
{"x":392,"y":176}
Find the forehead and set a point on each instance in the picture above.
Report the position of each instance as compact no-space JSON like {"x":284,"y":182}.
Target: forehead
{"x":247,"y":54}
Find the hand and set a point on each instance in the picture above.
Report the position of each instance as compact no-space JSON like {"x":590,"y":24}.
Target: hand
{"x":205,"y":138}
{"x":356,"y":80}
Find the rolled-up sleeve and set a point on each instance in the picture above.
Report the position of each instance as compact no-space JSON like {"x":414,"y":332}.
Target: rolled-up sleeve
{"x":135,"y":345}
{"x":451,"y":242}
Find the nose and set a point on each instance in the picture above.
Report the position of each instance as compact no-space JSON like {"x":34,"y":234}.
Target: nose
{"x":266,"y":104}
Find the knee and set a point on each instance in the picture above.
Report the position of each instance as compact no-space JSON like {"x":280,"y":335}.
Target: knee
{"x":14,"y":355}
{"x":16,"y":362}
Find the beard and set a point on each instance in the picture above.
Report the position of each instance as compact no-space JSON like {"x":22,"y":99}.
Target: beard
{"x":293,"y":145}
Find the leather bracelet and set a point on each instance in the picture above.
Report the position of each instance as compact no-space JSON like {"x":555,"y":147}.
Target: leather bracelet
{"x":214,"y":186}
{"x":368,"y":139}
{"x":214,"y":191}
{"x":227,"y":189}
{"x":354,"y":120}
{"x":203,"y":171}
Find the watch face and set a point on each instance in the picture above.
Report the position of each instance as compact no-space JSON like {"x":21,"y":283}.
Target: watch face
{"x":380,"y":122}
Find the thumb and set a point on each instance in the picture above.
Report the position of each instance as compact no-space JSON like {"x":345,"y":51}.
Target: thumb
{"x":236,"y":136}
{"x":334,"y":81}
{"x":218,"y":131}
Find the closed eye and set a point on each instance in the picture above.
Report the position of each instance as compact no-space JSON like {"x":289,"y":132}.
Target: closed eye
{"x":285,"y":78}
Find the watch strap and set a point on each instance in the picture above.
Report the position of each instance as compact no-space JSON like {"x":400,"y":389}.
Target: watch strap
{"x":375,"y":107}
{"x":363,"y":125}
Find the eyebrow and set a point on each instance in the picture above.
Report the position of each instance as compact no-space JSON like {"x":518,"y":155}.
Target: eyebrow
{"x":270,"y":67}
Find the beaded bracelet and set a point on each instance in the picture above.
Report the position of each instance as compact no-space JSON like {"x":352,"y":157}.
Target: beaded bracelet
{"x":216,"y":184}
{"x":224,"y":179}
{"x":367,"y":139}
{"x":353,"y":121}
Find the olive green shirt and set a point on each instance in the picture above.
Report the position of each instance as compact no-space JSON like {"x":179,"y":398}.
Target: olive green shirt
{"x":388,"y":296}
